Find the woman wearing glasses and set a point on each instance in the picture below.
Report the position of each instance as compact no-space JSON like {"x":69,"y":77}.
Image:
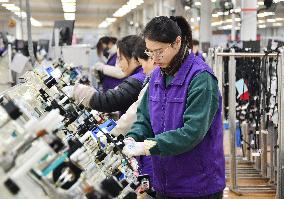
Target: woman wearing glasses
{"x":126,"y":93}
{"x":179,"y":119}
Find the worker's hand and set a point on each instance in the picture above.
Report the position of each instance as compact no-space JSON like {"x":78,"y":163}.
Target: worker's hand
{"x":99,"y":66}
{"x":128,"y":140}
{"x":83,"y":94}
{"x":134,"y":149}
{"x":68,"y":90}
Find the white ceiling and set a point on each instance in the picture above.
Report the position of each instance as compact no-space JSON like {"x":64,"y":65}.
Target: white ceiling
{"x":89,"y":13}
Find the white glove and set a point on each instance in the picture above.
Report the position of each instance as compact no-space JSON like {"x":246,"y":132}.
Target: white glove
{"x":99,"y":66}
{"x":68,"y":90}
{"x":134,"y":149}
{"x":83,"y":94}
{"x":128,"y":140}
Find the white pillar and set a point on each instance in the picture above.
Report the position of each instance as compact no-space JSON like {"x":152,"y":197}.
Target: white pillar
{"x":180,"y":8}
{"x":249,"y":20}
{"x":205,"y":21}
{"x":148,"y":13}
{"x":194,"y":23}
{"x":158,"y":7}
{"x":19,"y":30}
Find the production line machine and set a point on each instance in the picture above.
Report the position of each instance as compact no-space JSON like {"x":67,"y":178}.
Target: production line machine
{"x":51,"y":147}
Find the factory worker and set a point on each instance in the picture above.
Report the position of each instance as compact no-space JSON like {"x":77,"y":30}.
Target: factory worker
{"x":123,"y":125}
{"x":110,"y":75}
{"x":126,"y":93}
{"x":125,"y":122}
{"x":195,"y":49}
{"x":179,"y":120}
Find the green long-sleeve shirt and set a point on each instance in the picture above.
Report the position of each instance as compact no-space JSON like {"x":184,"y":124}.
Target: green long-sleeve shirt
{"x":201,"y":107}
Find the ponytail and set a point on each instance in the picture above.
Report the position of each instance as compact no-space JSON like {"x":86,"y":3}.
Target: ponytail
{"x":185,"y":28}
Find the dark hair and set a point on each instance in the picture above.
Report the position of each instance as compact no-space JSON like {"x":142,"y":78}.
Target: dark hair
{"x":195,"y":42}
{"x":127,"y":45}
{"x":104,"y":40}
{"x":113,"y":40}
{"x":139,"y":50}
{"x":166,"y":30}
{"x":99,"y":48}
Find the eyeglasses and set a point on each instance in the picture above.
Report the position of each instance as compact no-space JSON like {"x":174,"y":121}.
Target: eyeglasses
{"x":156,"y":53}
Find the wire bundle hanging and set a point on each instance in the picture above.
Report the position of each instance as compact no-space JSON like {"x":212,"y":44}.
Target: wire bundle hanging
{"x":259,"y":93}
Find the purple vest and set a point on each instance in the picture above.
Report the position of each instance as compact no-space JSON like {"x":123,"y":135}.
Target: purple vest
{"x":138,"y":74}
{"x":198,"y":172}
{"x":200,"y":55}
{"x":145,"y":166}
{"x":110,"y":82}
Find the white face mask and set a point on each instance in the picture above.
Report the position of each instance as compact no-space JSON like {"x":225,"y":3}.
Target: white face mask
{"x":112,"y":50}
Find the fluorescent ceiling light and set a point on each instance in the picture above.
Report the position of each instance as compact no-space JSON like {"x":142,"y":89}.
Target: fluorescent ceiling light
{"x":260,"y":3}
{"x":68,"y":1}
{"x":262,"y":26}
{"x":217,"y":23}
{"x":69,"y":4}
{"x":215,"y":15}
{"x":186,"y":7}
{"x":229,"y":20}
{"x":237,"y":10}
{"x":20,"y":13}
{"x":104,"y":24}
{"x":269,"y":13}
{"x":7,"y":4}
{"x":4,"y":1}
{"x":107,"y":22}
{"x":227,"y":27}
{"x":69,"y":9}
{"x":261,"y":21}
{"x":220,"y":13}
{"x":260,"y":15}
{"x":16,"y":8}
{"x":135,"y":2}
{"x":111,"y":20}
{"x":279,"y":19}
{"x":277,"y":24}
{"x":35,"y":22}
{"x":198,"y":3}
{"x":69,"y":16}
{"x":24,"y":14}
{"x":125,"y":9}
{"x":271,"y":20}
{"x":265,"y":14}
{"x":11,"y":7}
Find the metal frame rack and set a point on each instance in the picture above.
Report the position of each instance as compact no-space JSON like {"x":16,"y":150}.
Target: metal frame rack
{"x":215,"y":59}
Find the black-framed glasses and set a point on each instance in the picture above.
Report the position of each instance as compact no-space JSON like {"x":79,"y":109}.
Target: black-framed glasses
{"x":157,"y":53}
